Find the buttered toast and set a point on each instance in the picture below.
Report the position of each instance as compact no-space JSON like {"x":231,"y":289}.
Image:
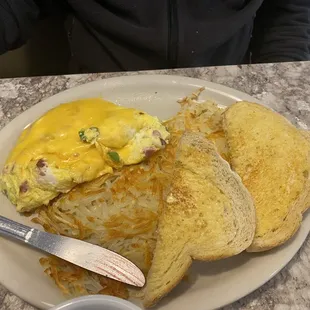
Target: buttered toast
{"x":208,"y":215}
{"x":272,"y":158}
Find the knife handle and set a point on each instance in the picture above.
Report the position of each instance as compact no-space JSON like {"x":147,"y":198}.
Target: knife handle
{"x":60,"y":246}
{"x":14,"y":230}
{"x":49,"y":243}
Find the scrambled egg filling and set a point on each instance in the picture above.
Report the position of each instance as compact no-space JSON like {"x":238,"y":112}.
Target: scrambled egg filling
{"x":74,"y":143}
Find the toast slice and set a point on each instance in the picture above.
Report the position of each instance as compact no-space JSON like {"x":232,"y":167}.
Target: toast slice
{"x":208,"y":215}
{"x":272,"y":158}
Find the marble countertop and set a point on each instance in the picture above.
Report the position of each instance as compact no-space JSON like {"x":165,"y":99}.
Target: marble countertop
{"x":284,"y":87}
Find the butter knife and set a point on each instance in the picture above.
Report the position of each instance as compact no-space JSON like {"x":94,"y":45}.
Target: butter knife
{"x":80,"y":253}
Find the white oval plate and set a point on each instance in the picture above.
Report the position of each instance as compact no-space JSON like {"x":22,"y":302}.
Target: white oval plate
{"x":211,"y":285}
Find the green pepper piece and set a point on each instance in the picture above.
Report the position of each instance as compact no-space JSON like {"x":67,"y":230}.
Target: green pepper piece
{"x":89,"y":135}
{"x":81,"y":134}
{"x":114,"y":156}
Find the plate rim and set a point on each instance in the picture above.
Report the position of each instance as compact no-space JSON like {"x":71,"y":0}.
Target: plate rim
{"x":54,"y":100}
{"x":195,"y":82}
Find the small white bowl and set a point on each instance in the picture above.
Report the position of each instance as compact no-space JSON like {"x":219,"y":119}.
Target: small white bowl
{"x":96,"y":302}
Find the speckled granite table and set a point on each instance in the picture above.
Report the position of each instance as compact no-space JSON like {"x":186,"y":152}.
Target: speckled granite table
{"x":285,"y":87}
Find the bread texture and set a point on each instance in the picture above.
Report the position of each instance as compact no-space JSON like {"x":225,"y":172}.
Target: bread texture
{"x":208,"y":215}
{"x":272,"y":158}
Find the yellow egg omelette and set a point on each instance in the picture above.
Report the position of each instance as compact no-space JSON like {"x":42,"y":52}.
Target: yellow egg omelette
{"x":74,"y":143}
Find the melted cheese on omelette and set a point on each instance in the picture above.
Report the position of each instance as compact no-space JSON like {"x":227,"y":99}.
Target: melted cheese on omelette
{"x":75,"y":143}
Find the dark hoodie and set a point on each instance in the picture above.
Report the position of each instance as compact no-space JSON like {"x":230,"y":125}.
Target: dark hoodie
{"x":116,"y":35}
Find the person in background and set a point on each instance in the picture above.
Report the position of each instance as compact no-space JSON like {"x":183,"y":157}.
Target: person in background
{"x":121,"y":35}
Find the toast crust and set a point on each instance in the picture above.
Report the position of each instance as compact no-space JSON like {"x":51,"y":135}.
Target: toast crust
{"x":305,"y":203}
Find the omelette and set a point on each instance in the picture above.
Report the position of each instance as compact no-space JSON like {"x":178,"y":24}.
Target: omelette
{"x":74,"y":143}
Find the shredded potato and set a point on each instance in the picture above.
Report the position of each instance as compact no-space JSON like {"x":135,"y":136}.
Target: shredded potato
{"x":120,"y":211}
